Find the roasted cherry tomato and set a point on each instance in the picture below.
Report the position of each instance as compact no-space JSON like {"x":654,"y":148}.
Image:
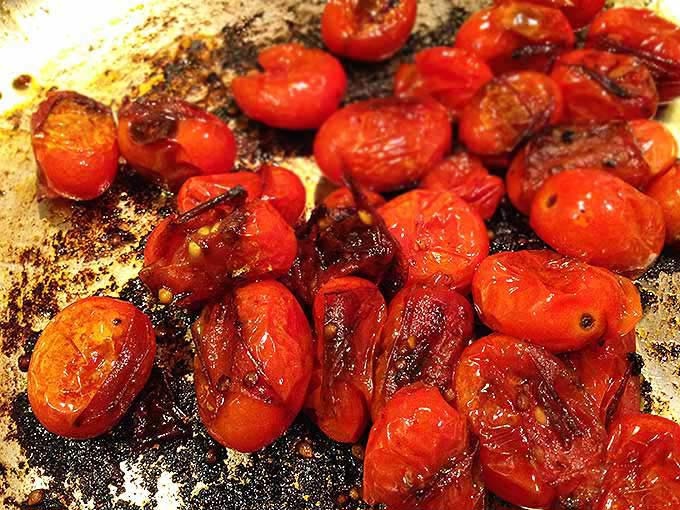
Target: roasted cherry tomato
{"x":541,"y":440}
{"x":516,"y":36}
{"x":657,"y":143}
{"x":253,"y":365}
{"x":169,"y":140}
{"x":202,"y":188}
{"x":599,"y":86}
{"x":74,"y":142}
{"x":427,"y":328}
{"x":596,"y":217}
{"x":465,"y":175}
{"x":299,"y":88}
{"x":349,"y":314}
{"x":643,"y":465}
{"x":508,"y":110}
{"x":368,"y":30}
{"x":553,"y":301}
{"x":642,"y":33}
{"x":450,"y":75}
{"x":578,"y":12}
{"x":88,"y":366}
{"x":666,"y":191}
{"x":441,"y":236}
{"x":420,"y":456}
{"x":342,"y":198}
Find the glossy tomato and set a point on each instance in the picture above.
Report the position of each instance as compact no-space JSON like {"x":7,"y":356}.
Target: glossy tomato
{"x":299,"y":88}
{"x":253,"y":365}
{"x":74,"y":142}
{"x":285,"y":191}
{"x":666,"y":191}
{"x":420,"y":456}
{"x":88,"y":366}
{"x":349,"y":314}
{"x":578,"y":12}
{"x":368,"y":30}
{"x":342,"y":198}
{"x":657,"y":143}
{"x":598,"y":218}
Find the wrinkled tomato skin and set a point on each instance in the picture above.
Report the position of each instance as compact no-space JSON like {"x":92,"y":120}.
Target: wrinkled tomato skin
{"x":516,"y":36}
{"x":427,"y":328}
{"x":252,"y":366}
{"x":450,"y":75}
{"x":508,"y":110}
{"x":75,"y":146}
{"x":579,"y":12}
{"x":169,"y":140}
{"x":383,"y":144}
{"x":440,"y":235}
{"x":657,"y":143}
{"x":349,"y":314}
{"x":553,"y":301}
{"x":367,"y":30}
{"x":510,"y":391}
{"x":285,"y":191}
{"x":88,"y":365}
{"x":299,"y":88}
{"x":416,"y":438}
{"x":342,"y":198}
{"x":465,"y":175}
{"x":666,"y":191}
{"x":599,"y":86}
{"x":596,"y":217}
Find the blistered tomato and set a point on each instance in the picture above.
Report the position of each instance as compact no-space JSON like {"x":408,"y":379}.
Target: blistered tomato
{"x":88,"y":366}
{"x":657,"y":143}
{"x":299,"y":88}
{"x":74,"y":142}
{"x":342,"y":198}
{"x":578,"y":12}
{"x":666,"y":191}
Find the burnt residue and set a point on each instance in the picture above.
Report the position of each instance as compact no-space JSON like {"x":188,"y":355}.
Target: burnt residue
{"x":665,"y":352}
{"x":511,"y":231}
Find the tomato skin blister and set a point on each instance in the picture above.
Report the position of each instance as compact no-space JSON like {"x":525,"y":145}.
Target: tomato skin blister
{"x":579,"y":12}
{"x":665,"y":189}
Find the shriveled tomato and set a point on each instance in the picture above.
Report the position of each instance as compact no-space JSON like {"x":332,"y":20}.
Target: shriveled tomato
{"x":516,"y":36}
{"x":169,"y":140}
{"x":508,"y":110}
{"x":88,"y":366}
{"x":299,"y":88}
{"x":452,"y":76}
{"x":643,"y":465}
{"x":342,"y":198}
{"x":641,"y":32}
{"x":541,"y":441}
{"x":74,"y":142}
{"x":349,"y":314}
{"x":252,"y":366}
{"x":665,"y":189}
{"x":466,"y":176}
{"x":599,"y":86}
{"x":368,"y":30}
{"x":427,"y":327}
{"x":657,"y":143}
{"x":598,"y":218}
{"x":578,"y":12}
{"x":420,"y":456}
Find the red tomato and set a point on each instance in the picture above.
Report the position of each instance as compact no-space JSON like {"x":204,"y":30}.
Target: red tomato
{"x":342,"y":198}
{"x":88,"y":366}
{"x":657,"y":144}
{"x":596,"y":217}
{"x":599,"y":86}
{"x":643,"y":465}
{"x":419,"y":455}
{"x":349,"y":314}
{"x":451,"y":76}
{"x":383,"y":144}
{"x":540,"y":438}
{"x":579,"y":12}
{"x":368,"y":30}
{"x":465,"y":175}
{"x":299,"y":88}
{"x":508,"y":110}
{"x":642,"y":33}
{"x":169,"y":140}
{"x":665,"y":189}
{"x":427,"y":327}
{"x":252,"y":366}
{"x":516,"y":36}
{"x":285,"y":191}
{"x":74,"y":142}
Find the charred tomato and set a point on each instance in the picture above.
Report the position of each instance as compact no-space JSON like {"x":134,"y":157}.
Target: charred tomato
{"x":342,"y":198}
{"x":666,"y":191}
{"x":579,"y":12}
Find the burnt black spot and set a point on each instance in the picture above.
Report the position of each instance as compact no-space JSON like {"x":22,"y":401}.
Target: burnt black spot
{"x":587,"y":321}
{"x":568,"y":136}
{"x":636,"y":363}
{"x":552,"y":200}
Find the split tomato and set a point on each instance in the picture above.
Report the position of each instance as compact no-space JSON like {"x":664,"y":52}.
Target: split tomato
{"x":579,"y":12}
{"x":657,"y":143}
{"x":665,"y":189}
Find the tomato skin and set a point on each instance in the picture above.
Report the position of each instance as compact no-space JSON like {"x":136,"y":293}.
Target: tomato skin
{"x":465,"y":175}
{"x":657,"y":143}
{"x":299,"y":88}
{"x":75,"y":146}
{"x":251,"y":379}
{"x":665,"y":189}
{"x":88,"y":365}
{"x":383,"y":144}
{"x":285,"y":191}
{"x":342,"y":198}
{"x":516,"y":36}
{"x":599,"y":86}
{"x":508,"y":110}
{"x":169,"y":140}
{"x":579,"y":12}
{"x":367,"y":30}
{"x":397,"y":453}
{"x":598,"y":218}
